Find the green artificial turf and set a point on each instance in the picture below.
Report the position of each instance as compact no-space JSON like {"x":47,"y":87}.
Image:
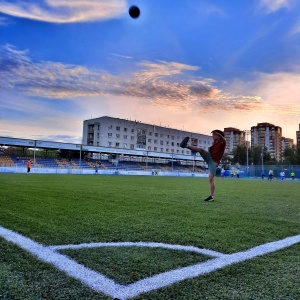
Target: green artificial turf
{"x":74,"y":209}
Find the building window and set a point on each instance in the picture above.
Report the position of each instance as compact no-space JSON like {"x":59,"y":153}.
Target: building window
{"x":149,"y":140}
{"x":98,"y":127}
{"x":161,"y":149}
{"x":118,"y":128}
{"x":167,"y":149}
{"x":156,"y":134}
{"x":155,"y":141}
{"x":98,"y":135}
{"x":132,"y":130}
{"x":149,"y":147}
{"x":150,"y":133}
{"x":125,"y":129}
{"x":109,"y":134}
{"x":132,"y":138}
{"x":161,"y":142}
{"x":109,"y":126}
{"x":155,"y":148}
{"x":125,"y":137}
{"x":131,"y":146}
{"x":109,"y":144}
{"x":124,"y":145}
{"x":117,"y":136}
{"x":117,"y":145}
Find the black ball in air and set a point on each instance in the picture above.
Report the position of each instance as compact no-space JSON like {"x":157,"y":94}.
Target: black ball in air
{"x":134,"y":12}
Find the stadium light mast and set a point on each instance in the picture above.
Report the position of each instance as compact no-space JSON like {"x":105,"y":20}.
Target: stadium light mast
{"x":262,"y":158}
{"x":247,"y":132}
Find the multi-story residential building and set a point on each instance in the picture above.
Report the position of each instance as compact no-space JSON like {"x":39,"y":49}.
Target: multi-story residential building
{"x":234,"y":137}
{"x":298,"y":136}
{"x":135,"y":135}
{"x":287,"y":143}
{"x":270,"y":136}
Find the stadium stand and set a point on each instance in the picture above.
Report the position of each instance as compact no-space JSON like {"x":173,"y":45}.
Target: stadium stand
{"x":63,"y":163}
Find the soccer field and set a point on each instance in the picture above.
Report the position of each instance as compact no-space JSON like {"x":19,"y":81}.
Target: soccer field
{"x":147,"y":237}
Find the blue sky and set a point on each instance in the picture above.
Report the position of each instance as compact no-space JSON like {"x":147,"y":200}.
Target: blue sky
{"x":193,"y":65}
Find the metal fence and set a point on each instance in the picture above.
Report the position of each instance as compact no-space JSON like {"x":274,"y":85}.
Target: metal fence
{"x":256,"y":170}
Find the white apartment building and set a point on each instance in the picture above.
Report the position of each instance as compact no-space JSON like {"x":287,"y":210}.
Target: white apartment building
{"x":135,"y":135}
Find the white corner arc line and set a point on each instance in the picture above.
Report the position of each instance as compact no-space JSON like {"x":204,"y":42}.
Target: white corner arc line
{"x":101,"y":283}
{"x":207,"y":252}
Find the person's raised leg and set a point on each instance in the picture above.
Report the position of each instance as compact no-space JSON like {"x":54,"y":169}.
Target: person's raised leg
{"x":196,"y":149}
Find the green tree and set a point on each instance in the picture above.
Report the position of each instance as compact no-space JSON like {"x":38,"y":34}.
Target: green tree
{"x":289,"y":155}
{"x":257,"y":153}
{"x":240,"y":155}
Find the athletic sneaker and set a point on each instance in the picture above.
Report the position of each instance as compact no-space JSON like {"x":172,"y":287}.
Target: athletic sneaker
{"x":184,"y":142}
{"x":209,"y":199}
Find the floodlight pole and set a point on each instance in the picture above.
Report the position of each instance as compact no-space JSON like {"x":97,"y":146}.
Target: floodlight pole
{"x":262,"y":158}
{"x":247,"y":133}
{"x":80,"y":156}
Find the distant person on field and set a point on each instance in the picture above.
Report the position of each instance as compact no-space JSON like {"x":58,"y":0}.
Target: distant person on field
{"x":211,"y":157}
{"x":238,"y":173}
{"x":28,"y":167}
{"x":270,"y":175}
{"x":293,"y":175}
{"x":262,"y":174}
{"x":232,"y":173}
{"x":223,"y":173}
{"x":282,"y":175}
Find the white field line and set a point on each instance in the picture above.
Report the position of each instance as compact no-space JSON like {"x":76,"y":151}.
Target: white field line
{"x":174,"y":276}
{"x":101,"y":283}
{"x":140,"y":244}
{"x":89,"y":277}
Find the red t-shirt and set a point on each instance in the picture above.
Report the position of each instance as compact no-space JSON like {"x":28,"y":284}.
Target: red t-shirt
{"x":217,"y":150}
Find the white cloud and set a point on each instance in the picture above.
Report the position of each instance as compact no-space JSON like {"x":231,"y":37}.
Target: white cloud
{"x":65,"y":11}
{"x":296,"y":29}
{"x":271,"y":6}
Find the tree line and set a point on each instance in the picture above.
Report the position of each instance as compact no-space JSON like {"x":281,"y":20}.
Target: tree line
{"x":258,"y":155}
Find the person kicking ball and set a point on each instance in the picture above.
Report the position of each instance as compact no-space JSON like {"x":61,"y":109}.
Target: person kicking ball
{"x":211,"y":157}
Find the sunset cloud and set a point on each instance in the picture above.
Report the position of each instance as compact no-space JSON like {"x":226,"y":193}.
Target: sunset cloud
{"x":65,"y":11}
{"x":167,"y":84}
